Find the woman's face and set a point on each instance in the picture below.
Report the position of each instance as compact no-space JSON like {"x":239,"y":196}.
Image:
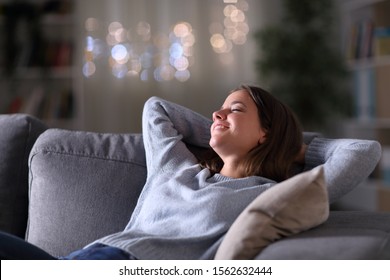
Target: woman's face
{"x":236,"y":127}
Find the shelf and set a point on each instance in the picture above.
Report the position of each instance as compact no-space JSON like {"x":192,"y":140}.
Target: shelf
{"x":39,"y":75}
{"x":57,"y":19}
{"x":51,"y":19}
{"x":362,"y":129}
{"x":377,"y":123}
{"x":370,"y":195}
{"x":368,"y":62}
{"x":36,"y":73}
{"x":369,"y":65}
{"x":366,"y":42}
{"x":357,"y":4}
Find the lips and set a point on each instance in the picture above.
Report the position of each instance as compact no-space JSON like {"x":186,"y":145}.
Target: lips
{"x":220,"y":126}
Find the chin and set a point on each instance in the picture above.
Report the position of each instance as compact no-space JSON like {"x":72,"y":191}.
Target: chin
{"x":212,"y":144}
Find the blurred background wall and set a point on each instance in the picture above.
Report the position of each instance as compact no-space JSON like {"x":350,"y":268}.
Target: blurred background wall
{"x":91,"y":64}
{"x":115,"y":104}
{"x":108,"y":94}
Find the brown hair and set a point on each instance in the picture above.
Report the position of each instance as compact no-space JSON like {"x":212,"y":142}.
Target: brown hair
{"x":274,"y":158}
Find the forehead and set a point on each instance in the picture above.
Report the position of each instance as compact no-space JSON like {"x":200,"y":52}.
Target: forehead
{"x":239,"y":96}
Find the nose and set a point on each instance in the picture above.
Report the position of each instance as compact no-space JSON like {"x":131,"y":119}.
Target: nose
{"x":219,"y":115}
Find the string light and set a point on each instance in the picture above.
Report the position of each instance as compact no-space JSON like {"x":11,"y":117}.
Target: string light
{"x":162,"y":57}
{"x":138,"y":53}
{"x":233,"y":31}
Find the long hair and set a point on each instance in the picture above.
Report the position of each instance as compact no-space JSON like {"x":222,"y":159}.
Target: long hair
{"x":273,"y":158}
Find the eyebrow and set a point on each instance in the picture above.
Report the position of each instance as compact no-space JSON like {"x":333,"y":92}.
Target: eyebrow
{"x":237,"y":102}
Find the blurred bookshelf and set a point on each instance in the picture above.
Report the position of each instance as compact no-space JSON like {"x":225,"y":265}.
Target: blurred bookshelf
{"x":365,"y":26}
{"x":366,"y":34}
{"x":371,"y":195}
{"x":38,"y":73}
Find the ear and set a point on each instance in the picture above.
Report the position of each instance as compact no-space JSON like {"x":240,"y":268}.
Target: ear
{"x":262,"y":138}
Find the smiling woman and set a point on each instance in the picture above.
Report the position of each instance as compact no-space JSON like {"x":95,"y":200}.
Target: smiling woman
{"x":184,"y":210}
{"x":254,"y":134}
{"x":236,"y":130}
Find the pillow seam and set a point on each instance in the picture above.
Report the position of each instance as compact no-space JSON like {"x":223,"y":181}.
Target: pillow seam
{"x":92,"y":156}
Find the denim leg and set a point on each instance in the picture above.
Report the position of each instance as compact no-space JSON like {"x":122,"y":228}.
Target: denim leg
{"x":15,"y":248}
{"x":99,"y":252}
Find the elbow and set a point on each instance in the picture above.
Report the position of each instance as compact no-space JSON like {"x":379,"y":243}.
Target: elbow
{"x":151,"y":105}
{"x":370,"y":156}
{"x":375,"y":151}
{"x":152,"y":101}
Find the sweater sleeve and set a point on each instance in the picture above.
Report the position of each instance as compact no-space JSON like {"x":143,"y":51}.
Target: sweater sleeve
{"x":166,"y":128}
{"x":347,"y":162}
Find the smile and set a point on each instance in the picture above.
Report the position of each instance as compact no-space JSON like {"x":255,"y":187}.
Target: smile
{"x":220,"y":126}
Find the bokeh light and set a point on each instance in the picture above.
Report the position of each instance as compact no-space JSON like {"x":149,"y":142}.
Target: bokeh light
{"x":232,"y":31}
{"x":89,"y":68}
{"x":91,"y":24}
{"x":119,"y":53}
{"x":138,"y":53}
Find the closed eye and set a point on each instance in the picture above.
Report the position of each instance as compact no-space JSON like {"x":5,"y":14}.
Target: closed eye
{"x":237,"y":106}
{"x":237,"y":109}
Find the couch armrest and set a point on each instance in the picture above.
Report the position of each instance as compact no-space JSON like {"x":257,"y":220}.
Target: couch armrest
{"x":18,"y":133}
{"x":83,"y":186}
{"x":346,"y":235}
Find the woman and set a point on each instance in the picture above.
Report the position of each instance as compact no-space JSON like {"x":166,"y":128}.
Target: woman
{"x":269,"y":129}
{"x":185,"y":209}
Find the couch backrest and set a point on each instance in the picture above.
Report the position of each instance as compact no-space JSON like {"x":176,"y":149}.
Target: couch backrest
{"x":83,"y":186}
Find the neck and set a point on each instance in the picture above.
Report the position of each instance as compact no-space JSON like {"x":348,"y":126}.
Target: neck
{"x":232,"y":170}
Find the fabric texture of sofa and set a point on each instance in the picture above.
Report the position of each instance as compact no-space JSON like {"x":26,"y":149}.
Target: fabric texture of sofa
{"x":17,"y":136}
{"x":84,"y":185}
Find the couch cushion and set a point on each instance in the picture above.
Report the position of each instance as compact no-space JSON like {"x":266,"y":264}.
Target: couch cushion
{"x":346,"y":235}
{"x":75,"y":179}
{"x":17,"y":135}
{"x":289,"y":207}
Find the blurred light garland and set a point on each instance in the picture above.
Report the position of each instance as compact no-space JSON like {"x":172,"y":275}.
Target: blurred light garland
{"x":139,"y":53}
{"x":233,"y":31}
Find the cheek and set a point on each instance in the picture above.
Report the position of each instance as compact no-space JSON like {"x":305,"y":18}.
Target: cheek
{"x":253,"y":134}
{"x":250,"y":128}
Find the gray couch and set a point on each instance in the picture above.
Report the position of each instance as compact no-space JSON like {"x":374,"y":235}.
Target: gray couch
{"x":75,"y":187}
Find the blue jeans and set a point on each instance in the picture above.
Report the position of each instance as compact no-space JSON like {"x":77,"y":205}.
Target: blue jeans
{"x":15,"y":248}
{"x":99,"y":252}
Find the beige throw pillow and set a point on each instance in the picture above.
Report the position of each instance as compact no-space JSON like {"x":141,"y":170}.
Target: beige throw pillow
{"x":287,"y":208}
